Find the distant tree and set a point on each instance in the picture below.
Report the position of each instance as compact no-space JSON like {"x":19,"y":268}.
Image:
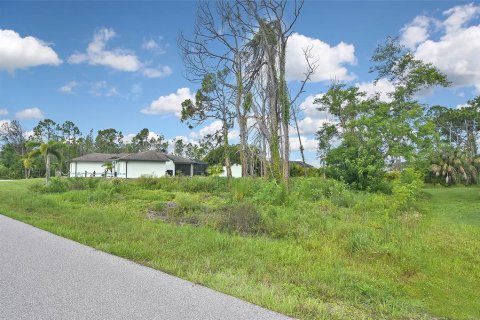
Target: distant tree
{"x":109,"y":141}
{"x":159,"y":143}
{"x":47,"y":130}
{"x":178,"y":147}
{"x":12,"y":133}
{"x":140,"y":141}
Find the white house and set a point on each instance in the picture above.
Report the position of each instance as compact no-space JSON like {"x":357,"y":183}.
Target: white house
{"x":134,"y":165}
{"x":236,"y":171}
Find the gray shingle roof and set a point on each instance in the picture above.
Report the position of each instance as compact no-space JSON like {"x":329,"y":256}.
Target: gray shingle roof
{"x":150,"y":155}
{"x":179,"y":159}
{"x":94,"y":157}
{"x":146,"y":156}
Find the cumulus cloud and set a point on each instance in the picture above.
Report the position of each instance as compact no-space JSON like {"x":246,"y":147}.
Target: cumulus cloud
{"x":29,"y":113}
{"x":383,"y":88}
{"x":69,"y":87}
{"x":213,"y":128}
{"x":3,"y":112}
{"x":21,"y":53}
{"x":119,"y":59}
{"x":455,"y":51}
{"x":169,"y":104}
{"x":309,"y":144}
{"x":97,"y":54}
{"x":160,"y":72}
{"x":415,"y":32}
{"x":458,"y":16}
{"x":313,"y":118}
{"x":329,"y":60}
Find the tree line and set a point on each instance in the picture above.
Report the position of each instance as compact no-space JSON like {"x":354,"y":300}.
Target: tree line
{"x":236,"y":54}
{"x":51,"y":145}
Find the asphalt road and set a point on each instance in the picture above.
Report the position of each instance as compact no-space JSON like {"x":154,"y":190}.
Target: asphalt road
{"x":43,"y":276}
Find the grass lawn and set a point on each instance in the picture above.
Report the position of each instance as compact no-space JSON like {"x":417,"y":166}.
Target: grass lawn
{"x":320,"y":252}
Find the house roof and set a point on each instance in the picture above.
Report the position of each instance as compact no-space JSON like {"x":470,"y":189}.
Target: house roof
{"x":150,"y":155}
{"x":94,"y":157}
{"x":179,"y":159}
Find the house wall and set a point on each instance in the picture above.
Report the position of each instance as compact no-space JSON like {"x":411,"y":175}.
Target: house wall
{"x":136,"y":169}
{"x":169,"y":165}
{"x":236,"y":171}
{"x":90,"y":167}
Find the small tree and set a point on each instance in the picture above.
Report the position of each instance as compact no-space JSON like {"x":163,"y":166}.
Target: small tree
{"x":108,"y":167}
{"x":47,"y":150}
{"x":27,"y":162}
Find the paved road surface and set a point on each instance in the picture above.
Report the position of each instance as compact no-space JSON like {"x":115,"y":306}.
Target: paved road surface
{"x":43,"y":276}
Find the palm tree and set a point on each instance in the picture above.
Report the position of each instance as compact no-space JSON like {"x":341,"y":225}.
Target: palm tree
{"x":455,"y":165}
{"x":27,"y":162}
{"x":46,"y":150}
{"x":108,"y":167}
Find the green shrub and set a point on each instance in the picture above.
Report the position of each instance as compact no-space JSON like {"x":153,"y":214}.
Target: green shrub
{"x":241,"y":188}
{"x":242,"y":218}
{"x":56,"y":185}
{"x":407,"y":190}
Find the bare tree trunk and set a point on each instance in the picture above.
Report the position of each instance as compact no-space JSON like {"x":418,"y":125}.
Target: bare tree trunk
{"x":300,"y":143}
{"x":228,"y":165}
{"x":47,"y":167}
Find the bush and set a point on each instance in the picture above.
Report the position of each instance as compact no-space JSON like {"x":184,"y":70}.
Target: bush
{"x":269,"y":192}
{"x":241,"y":188}
{"x":407,"y":190}
{"x":242,"y":218}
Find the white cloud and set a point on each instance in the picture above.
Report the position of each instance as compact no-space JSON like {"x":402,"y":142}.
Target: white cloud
{"x":213,"y":128}
{"x":21,"y":53}
{"x":29,"y":113}
{"x":313,"y":118}
{"x":330,"y":60}
{"x":117,"y":58}
{"x":461,"y":106}
{"x":69,"y":87}
{"x":457,"y":49}
{"x":97,"y":54}
{"x":155,"y":46}
{"x":308,"y":144}
{"x":102,"y":88}
{"x":160,"y":72}
{"x":128,"y":137}
{"x":28,"y":134}
{"x":383,"y":87}
{"x":310,"y":125}
{"x":171,"y":103}
{"x":3,"y":112}
{"x":458,"y":16}
{"x":415,"y":32}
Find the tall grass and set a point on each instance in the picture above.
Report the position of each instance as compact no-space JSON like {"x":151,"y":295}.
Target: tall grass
{"x":318,"y":251}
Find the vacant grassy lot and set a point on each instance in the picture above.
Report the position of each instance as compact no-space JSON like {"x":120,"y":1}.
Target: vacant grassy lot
{"x":319,"y":251}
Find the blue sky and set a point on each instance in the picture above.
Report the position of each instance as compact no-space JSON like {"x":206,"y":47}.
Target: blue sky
{"x":116,"y":64}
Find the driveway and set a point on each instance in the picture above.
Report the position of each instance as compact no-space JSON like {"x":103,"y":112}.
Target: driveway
{"x":43,"y":276}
